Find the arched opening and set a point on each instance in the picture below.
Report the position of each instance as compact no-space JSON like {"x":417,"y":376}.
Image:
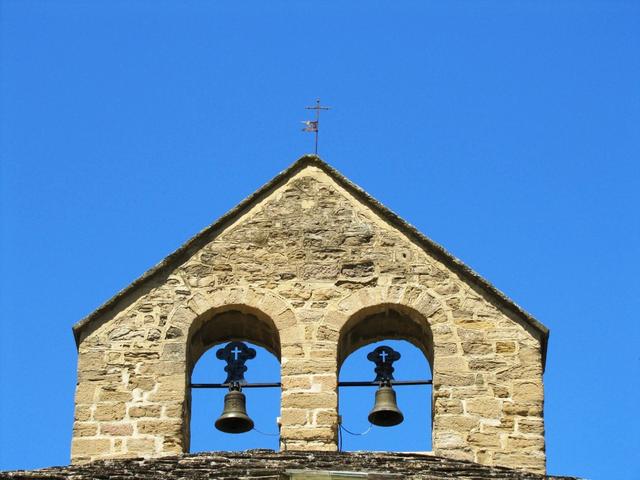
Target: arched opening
{"x":407,"y":332}
{"x":208,"y":334}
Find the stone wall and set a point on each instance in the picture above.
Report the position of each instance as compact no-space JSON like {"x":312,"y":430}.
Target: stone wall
{"x":311,"y":273}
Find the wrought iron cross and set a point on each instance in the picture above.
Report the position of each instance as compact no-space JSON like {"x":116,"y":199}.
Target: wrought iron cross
{"x":384,"y":357}
{"x":314,"y":125}
{"x":235,"y":354}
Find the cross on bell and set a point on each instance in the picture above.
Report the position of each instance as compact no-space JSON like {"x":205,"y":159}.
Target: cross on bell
{"x":235,"y":354}
{"x":384,"y":357}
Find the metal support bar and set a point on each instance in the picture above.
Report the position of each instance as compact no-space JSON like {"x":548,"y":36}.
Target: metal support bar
{"x":395,"y":383}
{"x":226,"y":385}
{"x":398,"y":383}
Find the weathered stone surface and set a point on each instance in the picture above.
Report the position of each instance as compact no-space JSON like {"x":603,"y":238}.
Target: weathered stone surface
{"x":109,"y":411}
{"x":152,"y":411}
{"x":116,"y":429}
{"x":269,"y":465}
{"x":312,"y":269}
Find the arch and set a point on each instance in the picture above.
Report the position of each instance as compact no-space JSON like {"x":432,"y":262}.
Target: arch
{"x":235,"y":313}
{"x":262,"y":404}
{"x":415,"y":402}
{"x":373,"y":314}
{"x":387,"y":314}
{"x":222,"y":324}
{"x":228,"y":323}
{"x":385,"y":322}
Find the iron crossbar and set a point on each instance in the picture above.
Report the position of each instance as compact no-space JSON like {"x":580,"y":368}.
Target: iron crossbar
{"x":399,"y":383}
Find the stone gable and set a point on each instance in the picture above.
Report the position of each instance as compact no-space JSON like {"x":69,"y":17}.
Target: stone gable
{"x":311,"y":269}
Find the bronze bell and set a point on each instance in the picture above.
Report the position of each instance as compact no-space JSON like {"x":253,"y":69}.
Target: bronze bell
{"x":234,"y":418}
{"x":385,"y":411}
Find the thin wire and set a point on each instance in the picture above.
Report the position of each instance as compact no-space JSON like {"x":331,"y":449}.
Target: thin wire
{"x":267,"y":434}
{"x":357,"y":434}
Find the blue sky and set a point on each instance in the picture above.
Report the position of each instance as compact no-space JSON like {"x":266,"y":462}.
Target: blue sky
{"x":505,"y":130}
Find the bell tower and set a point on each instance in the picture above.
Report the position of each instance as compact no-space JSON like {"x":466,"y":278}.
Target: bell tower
{"x":311,"y":268}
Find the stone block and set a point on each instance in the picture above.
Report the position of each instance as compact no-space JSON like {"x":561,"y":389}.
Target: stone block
{"x":307,"y":433}
{"x":453,"y":364}
{"x":85,"y":393}
{"x":90,"y":447}
{"x":292,"y":335}
{"x":173,"y":352}
{"x":308,"y":367}
{"x":171,"y":445}
{"x":292,"y":350}
{"x":457,"y":453}
{"x":501,"y":391}
{"x":286,"y":319}
{"x":474,"y":324}
{"x":487,"y":364}
{"x":521,"y":461}
{"x":83,"y":413}
{"x":144,"y":382}
{"x":91,"y":360}
{"x":141,"y":446}
{"x":477,"y":348}
{"x":85,"y":429}
{"x":296,"y":382}
{"x":326,"y":354}
{"x":309,"y":400}
{"x":530,"y":425}
{"x":109,"y":411}
{"x":484,"y":407}
{"x":519,"y":443}
{"x":325,"y":417}
{"x":483,"y":440}
{"x":327,"y":332}
{"x":449,"y":440}
{"x":445,"y":349}
{"x":116,"y":429}
{"x":532,"y":409}
{"x":456,"y":423}
{"x":444,"y":406}
{"x":324,"y":383}
{"x":529,"y":356}
{"x":453,"y":379}
{"x":169,"y":389}
{"x":505,"y":347}
{"x":272,"y":305}
{"x":494,"y":426}
{"x":161,"y":368}
{"x":527,"y":392}
{"x":145,"y":411}
{"x":173,"y":410}
{"x":294,"y":416}
{"x":159,"y":427}
{"x":109,"y":394}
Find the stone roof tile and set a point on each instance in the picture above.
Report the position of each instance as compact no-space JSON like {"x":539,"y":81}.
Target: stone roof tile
{"x":270,"y":465}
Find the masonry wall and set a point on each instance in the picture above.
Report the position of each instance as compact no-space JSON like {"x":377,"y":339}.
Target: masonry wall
{"x":319,"y":275}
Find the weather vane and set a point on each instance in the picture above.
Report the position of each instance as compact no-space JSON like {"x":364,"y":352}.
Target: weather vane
{"x":314,"y":125}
